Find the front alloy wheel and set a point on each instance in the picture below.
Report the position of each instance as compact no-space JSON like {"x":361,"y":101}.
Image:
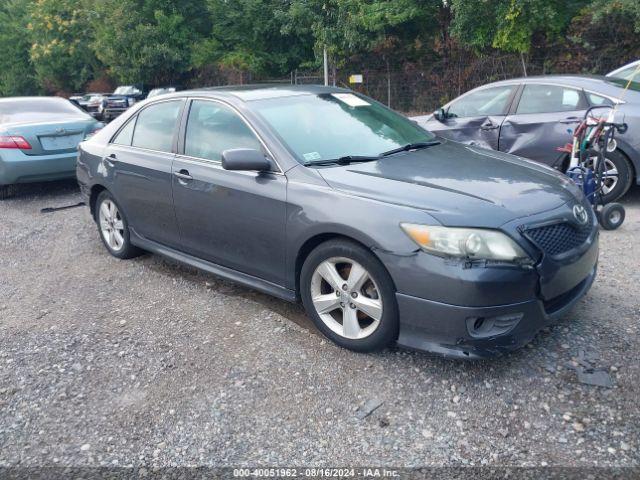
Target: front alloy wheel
{"x":350,"y":296}
{"x":346,"y":298}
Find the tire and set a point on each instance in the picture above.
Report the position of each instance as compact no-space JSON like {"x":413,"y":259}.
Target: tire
{"x":370,"y":288}
{"x":624,"y":176}
{"x":113,"y":227}
{"x":611,"y":216}
{"x":8,"y":191}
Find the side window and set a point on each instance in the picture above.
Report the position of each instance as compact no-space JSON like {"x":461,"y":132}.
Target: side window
{"x":488,"y":101}
{"x":125,"y":135}
{"x":549,"y":98}
{"x":155,"y":126}
{"x":597,"y":100}
{"x":213,"y":128}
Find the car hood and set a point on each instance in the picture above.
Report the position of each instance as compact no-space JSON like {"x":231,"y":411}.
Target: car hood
{"x":459,"y":185}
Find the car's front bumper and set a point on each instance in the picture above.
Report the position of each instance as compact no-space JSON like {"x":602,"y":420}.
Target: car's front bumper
{"x":446,"y":329}
{"x":481,"y":311}
{"x":16,"y":167}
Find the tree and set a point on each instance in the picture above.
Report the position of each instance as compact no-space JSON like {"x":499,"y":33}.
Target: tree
{"x":248,"y":35}
{"x":17,"y":76}
{"x":510,"y":25}
{"x":147,"y":40}
{"x":60,"y":44}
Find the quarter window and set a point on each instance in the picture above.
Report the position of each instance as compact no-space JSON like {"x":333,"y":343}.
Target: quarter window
{"x":597,"y":100}
{"x":155,"y":126}
{"x":481,"y":103}
{"x":125,"y":135}
{"x":549,"y":98}
{"x":213,"y":128}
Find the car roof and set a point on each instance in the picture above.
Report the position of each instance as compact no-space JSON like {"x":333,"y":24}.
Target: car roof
{"x":248,"y":93}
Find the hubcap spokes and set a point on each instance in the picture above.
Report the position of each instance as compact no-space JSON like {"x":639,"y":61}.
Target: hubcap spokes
{"x":111,"y":225}
{"x":346,"y":298}
{"x":610,"y":177}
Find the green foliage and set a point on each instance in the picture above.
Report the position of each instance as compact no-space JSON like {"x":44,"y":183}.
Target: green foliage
{"x":61,"y":45}
{"x":60,"y":49}
{"x":249,"y":35}
{"x":143,"y":40}
{"x":17,"y":76}
{"x":510,"y":25}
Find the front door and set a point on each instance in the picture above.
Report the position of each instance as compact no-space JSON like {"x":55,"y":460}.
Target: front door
{"x":232,"y":218}
{"x":543,"y":120}
{"x":476,"y":118}
{"x":140,"y":157}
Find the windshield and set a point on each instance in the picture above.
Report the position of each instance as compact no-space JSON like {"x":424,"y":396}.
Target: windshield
{"x":334,"y":125}
{"x":629,"y":72}
{"x":37,"y":109}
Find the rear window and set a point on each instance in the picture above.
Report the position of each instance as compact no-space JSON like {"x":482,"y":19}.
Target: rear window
{"x":32,"y":110}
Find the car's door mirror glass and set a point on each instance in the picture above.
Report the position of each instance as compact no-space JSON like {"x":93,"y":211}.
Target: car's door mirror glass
{"x":213,"y":128}
{"x":440,"y":115}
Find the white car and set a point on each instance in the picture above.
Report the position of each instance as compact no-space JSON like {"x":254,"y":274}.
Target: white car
{"x":628,"y":72}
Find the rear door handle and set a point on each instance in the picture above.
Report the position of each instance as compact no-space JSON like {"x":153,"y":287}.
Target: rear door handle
{"x":183,"y":175}
{"x":571,"y":120}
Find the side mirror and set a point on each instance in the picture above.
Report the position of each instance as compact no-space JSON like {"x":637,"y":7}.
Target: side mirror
{"x":245,"y":159}
{"x":440,"y":115}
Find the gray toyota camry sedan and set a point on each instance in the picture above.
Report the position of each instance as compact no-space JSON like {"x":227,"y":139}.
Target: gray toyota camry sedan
{"x":385,"y":232}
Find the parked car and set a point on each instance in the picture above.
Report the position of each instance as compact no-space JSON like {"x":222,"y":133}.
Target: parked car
{"x":317,"y":193}
{"x":113,"y":105}
{"x":39,"y":137}
{"x":533,"y":116}
{"x":627,"y":72}
{"x":92,"y":103}
{"x":161,"y":91}
{"x":132,"y":92}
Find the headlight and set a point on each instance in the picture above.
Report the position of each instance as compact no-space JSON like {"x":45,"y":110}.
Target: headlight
{"x":474,"y":243}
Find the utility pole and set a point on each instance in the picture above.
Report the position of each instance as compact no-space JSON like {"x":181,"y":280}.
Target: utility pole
{"x":326,"y":67}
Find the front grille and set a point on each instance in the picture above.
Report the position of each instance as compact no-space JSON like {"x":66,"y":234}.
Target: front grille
{"x":559,"y":238}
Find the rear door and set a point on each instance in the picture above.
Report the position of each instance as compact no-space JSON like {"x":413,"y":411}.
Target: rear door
{"x":476,"y":117}
{"x":541,"y":120}
{"x":232,"y":218}
{"x":140,"y":157}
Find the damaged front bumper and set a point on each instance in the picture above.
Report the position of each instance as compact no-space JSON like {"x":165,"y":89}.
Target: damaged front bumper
{"x":483,"y":311}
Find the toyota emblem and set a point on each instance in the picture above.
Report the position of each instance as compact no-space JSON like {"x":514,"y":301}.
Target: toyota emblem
{"x":580,"y":214}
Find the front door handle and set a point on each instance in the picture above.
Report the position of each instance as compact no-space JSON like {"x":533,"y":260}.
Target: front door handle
{"x":488,"y":126}
{"x":108,"y":161}
{"x":183,"y":175}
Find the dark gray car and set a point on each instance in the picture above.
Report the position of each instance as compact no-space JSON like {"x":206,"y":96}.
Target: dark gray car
{"x":533,"y":116}
{"x":318,"y":194}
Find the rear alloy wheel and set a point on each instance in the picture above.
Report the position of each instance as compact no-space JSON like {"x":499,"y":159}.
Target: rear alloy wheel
{"x":617,"y":175}
{"x":113,"y":227}
{"x":350,"y":297}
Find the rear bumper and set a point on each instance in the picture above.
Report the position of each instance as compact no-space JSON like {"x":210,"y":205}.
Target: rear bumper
{"x":16,"y":167}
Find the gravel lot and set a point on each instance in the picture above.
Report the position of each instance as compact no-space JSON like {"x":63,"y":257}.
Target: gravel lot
{"x":143,"y":362}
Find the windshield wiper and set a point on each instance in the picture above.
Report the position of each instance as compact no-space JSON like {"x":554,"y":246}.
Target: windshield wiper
{"x":410,"y":146}
{"x":346,"y":160}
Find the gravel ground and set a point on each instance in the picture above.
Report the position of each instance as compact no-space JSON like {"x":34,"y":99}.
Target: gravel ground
{"x":144,"y":362}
